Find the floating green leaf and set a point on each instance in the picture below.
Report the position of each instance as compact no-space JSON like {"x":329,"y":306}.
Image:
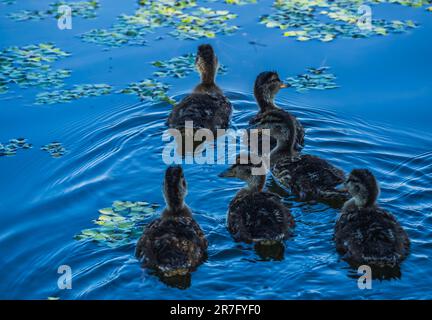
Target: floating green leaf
{"x":55,"y":149}
{"x":149,"y":90}
{"x":204,"y":23}
{"x":236,"y":2}
{"x":179,"y":67}
{"x":13,"y":146}
{"x":84,"y":9}
{"x":29,"y":66}
{"x":151,"y":15}
{"x":120,"y":224}
{"x":68,"y":95}
{"x":316,"y":78}
{"x":326,"y":20}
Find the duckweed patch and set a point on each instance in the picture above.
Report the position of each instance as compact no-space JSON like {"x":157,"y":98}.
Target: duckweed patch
{"x":68,"y":95}
{"x":326,"y":20}
{"x":11,"y":148}
{"x":179,"y":67}
{"x":236,"y":2}
{"x":204,"y":23}
{"x":84,"y":9}
{"x":55,"y":149}
{"x":120,"y":224}
{"x":149,"y":90}
{"x":315,"y":78}
{"x":30,"y":66}
{"x":187,"y":23}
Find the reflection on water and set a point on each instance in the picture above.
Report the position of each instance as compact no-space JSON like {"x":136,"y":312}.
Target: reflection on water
{"x":178,"y":281}
{"x":270,"y":252}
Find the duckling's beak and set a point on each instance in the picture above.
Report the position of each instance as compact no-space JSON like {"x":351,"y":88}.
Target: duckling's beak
{"x":227,"y":173}
{"x":284,"y":85}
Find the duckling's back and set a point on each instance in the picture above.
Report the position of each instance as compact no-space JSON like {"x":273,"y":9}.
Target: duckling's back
{"x":371,"y":236}
{"x":259,"y":217}
{"x":173,"y":246}
{"x":209,"y":111}
{"x":308,"y":176}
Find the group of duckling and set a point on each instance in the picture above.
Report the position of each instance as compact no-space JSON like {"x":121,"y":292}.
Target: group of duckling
{"x":364,"y":233}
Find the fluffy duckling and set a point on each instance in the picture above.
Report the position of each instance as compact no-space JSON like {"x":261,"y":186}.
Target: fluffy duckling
{"x":267,"y":85}
{"x":366,"y":233}
{"x":256,"y":216}
{"x":307,"y":176}
{"x":207,"y":106}
{"x":173,"y":244}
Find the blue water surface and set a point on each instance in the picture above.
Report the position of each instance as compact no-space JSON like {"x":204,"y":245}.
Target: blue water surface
{"x":379,"y":118}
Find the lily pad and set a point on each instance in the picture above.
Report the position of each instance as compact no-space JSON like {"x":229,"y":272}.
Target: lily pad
{"x":326,"y":20}
{"x":11,"y":148}
{"x":119,"y":225}
{"x":179,"y":67}
{"x":149,"y":90}
{"x":68,"y":95}
{"x":30,"y":66}
{"x":84,"y":9}
{"x":315,"y":78}
{"x":55,"y":149}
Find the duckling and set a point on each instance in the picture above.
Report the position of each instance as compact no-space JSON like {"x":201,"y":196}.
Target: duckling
{"x":267,"y":85}
{"x":206,"y":106}
{"x":256,"y":216}
{"x":366,"y":233}
{"x":308,"y":177}
{"x":173,"y":244}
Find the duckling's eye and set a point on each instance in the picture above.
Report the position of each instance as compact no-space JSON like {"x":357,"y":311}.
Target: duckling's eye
{"x":357,"y":188}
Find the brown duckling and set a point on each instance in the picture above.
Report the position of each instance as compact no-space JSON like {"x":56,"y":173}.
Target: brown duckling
{"x":173,"y":244}
{"x":267,"y":85}
{"x":366,"y":233}
{"x":206,"y":106}
{"x":308,"y":177}
{"x":254,"y":215}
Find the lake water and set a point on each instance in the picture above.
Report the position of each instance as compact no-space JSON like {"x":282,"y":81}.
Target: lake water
{"x":379,"y":118}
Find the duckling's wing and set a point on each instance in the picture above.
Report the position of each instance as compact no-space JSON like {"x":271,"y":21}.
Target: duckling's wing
{"x":372,"y":236}
{"x":259,"y":216}
{"x":143,"y":242}
{"x":300,"y":135}
{"x":170,"y":244}
{"x":205,"y":110}
{"x":300,"y":131}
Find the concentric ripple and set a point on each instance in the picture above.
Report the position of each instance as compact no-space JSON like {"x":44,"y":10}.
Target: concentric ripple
{"x":118,"y":157}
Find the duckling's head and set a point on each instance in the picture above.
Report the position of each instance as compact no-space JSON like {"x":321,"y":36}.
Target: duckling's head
{"x":207,"y":63}
{"x":267,"y":85}
{"x":243,"y":171}
{"x":175,"y":188}
{"x":363,"y":187}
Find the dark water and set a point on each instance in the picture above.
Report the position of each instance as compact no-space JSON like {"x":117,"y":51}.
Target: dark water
{"x":379,"y":119}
